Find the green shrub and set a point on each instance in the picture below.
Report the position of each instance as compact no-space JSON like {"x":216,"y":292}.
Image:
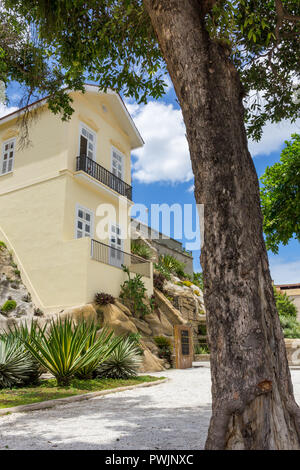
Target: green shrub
{"x":123,"y":363}
{"x":165,"y":348}
{"x":290,"y":326}
{"x":104,"y":299}
{"x":17,"y":367}
{"x":202,"y":329}
{"x":2,"y":245}
{"x":287,"y":314}
{"x":201,"y":348}
{"x":8,"y":306}
{"x":162,"y":270}
{"x":284,"y":304}
{"x":65,"y":350}
{"x":140,"y":249}
{"x":172,"y":265}
{"x":198,"y":280}
{"x":133,"y":293}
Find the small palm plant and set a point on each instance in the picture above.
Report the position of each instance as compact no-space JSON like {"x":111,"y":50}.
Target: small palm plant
{"x":68,"y":348}
{"x":17,"y":367}
{"x":123,"y":363}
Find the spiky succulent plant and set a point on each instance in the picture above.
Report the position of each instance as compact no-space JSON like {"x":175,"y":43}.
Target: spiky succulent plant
{"x":68,"y":349}
{"x":123,"y":362}
{"x":17,"y":367}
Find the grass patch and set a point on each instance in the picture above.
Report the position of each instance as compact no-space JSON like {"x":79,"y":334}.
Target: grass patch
{"x":48,"y":390}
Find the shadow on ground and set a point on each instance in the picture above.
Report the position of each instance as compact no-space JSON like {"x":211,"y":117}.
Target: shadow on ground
{"x":114,"y":422}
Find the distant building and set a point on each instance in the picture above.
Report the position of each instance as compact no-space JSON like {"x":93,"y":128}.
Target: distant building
{"x":166,"y":245}
{"x":293,"y":291}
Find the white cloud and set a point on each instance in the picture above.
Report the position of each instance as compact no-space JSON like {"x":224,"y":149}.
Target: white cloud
{"x":284,"y":272}
{"x":4,"y":110}
{"x":165,"y":155}
{"x":191,"y":189}
{"x":273,"y":137}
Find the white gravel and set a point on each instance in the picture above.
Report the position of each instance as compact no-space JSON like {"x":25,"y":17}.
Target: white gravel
{"x":173,"y":415}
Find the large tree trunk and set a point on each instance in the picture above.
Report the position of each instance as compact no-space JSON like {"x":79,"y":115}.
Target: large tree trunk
{"x":253,"y":402}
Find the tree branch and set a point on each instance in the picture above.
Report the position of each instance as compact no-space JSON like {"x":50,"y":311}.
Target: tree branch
{"x":206,"y":6}
{"x":283,"y":15}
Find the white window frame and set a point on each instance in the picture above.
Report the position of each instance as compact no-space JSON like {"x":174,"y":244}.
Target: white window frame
{"x":112,"y":260}
{"x":5,"y":142}
{"x":88,"y":211}
{"x":83,"y":125}
{"x":114,"y":149}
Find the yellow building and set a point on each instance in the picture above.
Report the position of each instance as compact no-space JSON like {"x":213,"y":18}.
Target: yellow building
{"x":65,"y":200}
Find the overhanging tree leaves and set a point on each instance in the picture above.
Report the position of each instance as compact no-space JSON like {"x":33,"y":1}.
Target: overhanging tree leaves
{"x":219,"y":54}
{"x":280,"y":197}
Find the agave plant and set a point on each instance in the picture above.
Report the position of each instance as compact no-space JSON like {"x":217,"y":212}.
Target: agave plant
{"x":68,"y":348}
{"x":24,"y":332}
{"x":105,"y":339}
{"x":17,"y":366}
{"x":140,"y":250}
{"x":172,"y":265}
{"x":123,"y":362}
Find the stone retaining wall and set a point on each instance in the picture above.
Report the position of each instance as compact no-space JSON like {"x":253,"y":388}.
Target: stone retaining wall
{"x":293,"y":351}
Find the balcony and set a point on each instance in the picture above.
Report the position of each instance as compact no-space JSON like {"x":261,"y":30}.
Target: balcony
{"x":113,"y":256}
{"x":101,"y":174}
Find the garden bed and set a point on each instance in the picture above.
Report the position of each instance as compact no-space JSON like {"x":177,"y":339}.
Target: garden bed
{"x":48,"y":390}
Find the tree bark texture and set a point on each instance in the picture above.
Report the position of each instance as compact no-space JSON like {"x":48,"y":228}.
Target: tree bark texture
{"x":253,"y":405}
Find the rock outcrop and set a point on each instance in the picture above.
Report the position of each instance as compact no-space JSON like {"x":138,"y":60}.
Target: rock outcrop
{"x":12,"y":288}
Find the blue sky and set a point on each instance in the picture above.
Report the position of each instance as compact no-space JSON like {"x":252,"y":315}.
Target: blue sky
{"x":162,"y":172}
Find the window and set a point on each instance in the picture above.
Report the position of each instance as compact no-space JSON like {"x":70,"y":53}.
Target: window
{"x":185,"y":343}
{"x":117,"y":163}
{"x":116,"y":245}
{"x":84,"y":223}
{"x":87,"y":142}
{"x":8,"y":152}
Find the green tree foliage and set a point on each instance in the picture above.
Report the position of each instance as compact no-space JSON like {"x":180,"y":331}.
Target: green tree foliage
{"x":280,"y":197}
{"x":112,"y":42}
{"x":285,"y":306}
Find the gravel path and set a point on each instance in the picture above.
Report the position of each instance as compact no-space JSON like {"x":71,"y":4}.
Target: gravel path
{"x":173,"y":415}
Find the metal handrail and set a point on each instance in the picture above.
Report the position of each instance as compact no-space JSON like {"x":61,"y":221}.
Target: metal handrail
{"x":92,"y":168}
{"x":115,"y":257}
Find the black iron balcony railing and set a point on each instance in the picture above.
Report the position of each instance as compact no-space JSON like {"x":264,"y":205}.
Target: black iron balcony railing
{"x":115,"y":257}
{"x":101,"y":174}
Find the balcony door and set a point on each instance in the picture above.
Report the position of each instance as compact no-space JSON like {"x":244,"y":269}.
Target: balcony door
{"x":117,"y":169}
{"x":116,"y":255}
{"x":87,"y":146}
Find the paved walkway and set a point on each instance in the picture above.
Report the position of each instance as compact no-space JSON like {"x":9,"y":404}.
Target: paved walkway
{"x":173,"y":415}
